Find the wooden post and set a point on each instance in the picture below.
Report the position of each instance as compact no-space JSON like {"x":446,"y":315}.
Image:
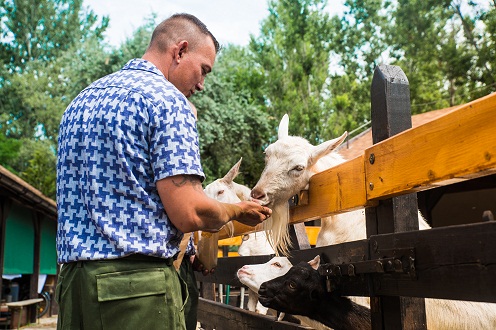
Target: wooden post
{"x":5,"y":204}
{"x":299,"y":237}
{"x":33,"y":283}
{"x":390,"y":112}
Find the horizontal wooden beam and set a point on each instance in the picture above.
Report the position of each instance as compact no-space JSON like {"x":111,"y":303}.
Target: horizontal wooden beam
{"x":457,"y":146}
{"x":237,"y":229}
{"x":214,"y":315}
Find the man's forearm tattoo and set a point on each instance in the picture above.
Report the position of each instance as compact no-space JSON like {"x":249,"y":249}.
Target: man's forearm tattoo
{"x":185,"y":179}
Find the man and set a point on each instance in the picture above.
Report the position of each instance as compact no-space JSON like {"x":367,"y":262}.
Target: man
{"x":129,"y":185}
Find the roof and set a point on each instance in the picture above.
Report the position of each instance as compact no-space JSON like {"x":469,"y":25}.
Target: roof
{"x":355,"y":146}
{"x":16,"y":188}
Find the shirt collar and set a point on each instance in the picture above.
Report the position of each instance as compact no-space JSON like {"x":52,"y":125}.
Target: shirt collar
{"x":141,"y":64}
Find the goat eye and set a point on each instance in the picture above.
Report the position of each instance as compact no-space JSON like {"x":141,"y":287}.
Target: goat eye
{"x":220,"y":192}
{"x":292,"y":285}
{"x":278,"y":265}
{"x":245,"y":237}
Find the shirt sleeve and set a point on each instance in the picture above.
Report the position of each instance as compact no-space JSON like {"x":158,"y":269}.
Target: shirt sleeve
{"x":174,"y":145}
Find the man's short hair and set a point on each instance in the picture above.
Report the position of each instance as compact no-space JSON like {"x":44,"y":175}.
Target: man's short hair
{"x":178,"y":27}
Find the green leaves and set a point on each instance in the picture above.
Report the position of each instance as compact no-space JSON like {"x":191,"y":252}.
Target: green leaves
{"x":314,"y":67}
{"x":293,"y":52}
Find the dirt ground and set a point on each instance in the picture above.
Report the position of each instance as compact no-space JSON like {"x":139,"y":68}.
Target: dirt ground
{"x":47,"y":323}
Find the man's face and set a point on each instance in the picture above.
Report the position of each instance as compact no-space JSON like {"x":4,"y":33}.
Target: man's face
{"x":193,"y":66}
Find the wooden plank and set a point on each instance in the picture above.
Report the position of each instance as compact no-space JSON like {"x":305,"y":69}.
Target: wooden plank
{"x":230,"y":241}
{"x":23,"y":303}
{"x":338,"y":189}
{"x":455,"y":147}
{"x":224,"y":317}
{"x":311,"y":231}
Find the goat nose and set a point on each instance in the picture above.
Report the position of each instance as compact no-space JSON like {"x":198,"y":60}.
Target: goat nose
{"x":263,"y":289}
{"x":258,"y":194}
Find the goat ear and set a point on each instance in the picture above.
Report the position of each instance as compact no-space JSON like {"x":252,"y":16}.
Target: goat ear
{"x":315,"y":262}
{"x":325,"y":148}
{"x":283,"y":130}
{"x":233,"y":172}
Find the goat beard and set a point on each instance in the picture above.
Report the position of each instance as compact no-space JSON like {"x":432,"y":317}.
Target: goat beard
{"x":276,"y":229}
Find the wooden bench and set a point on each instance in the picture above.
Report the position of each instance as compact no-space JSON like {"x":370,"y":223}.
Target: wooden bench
{"x":18,"y":306}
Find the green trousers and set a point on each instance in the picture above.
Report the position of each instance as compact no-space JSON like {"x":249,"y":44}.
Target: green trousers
{"x":134,"y":293}
{"x":191,"y":307}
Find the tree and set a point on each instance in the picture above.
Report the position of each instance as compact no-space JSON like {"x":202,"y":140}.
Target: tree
{"x":136,"y":45}
{"x":38,"y":166}
{"x":293,"y":54}
{"x":9,"y":150}
{"x":43,"y":29}
{"x":41,"y":46}
{"x":442,"y":46}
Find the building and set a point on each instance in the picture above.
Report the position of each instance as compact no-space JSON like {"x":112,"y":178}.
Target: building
{"x":28,"y":227}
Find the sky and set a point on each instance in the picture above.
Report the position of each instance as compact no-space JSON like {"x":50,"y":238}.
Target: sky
{"x":230,"y":21}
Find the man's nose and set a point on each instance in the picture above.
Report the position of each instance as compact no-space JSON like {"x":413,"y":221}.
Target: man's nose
{"x":199,"y":86}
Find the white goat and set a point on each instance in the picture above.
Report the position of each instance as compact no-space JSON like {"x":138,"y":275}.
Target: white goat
{"x":253,"y":275}
{"x":290,"y":162}
{"x":255,"y":244}
{"x":228,"y":191}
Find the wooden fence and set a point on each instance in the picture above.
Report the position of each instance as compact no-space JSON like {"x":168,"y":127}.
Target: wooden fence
{"x":397,"y":265}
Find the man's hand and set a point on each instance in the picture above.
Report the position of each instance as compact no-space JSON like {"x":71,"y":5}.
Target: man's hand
{"x":199,"y":267}
{"x":251,"y":213}
{"x":190,"y":209}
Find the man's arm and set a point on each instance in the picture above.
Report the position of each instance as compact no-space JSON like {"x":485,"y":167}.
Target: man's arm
{"x":189,"y":209}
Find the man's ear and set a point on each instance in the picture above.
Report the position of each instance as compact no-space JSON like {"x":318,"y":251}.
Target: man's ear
{"x":182,"y":48}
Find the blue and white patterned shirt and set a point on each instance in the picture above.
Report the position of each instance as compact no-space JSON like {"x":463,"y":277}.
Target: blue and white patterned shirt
{"x":117,"y":138}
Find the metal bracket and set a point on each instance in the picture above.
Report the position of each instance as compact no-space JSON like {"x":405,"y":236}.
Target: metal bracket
{"x":299,"y":199}
{"x":396,"y":261}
